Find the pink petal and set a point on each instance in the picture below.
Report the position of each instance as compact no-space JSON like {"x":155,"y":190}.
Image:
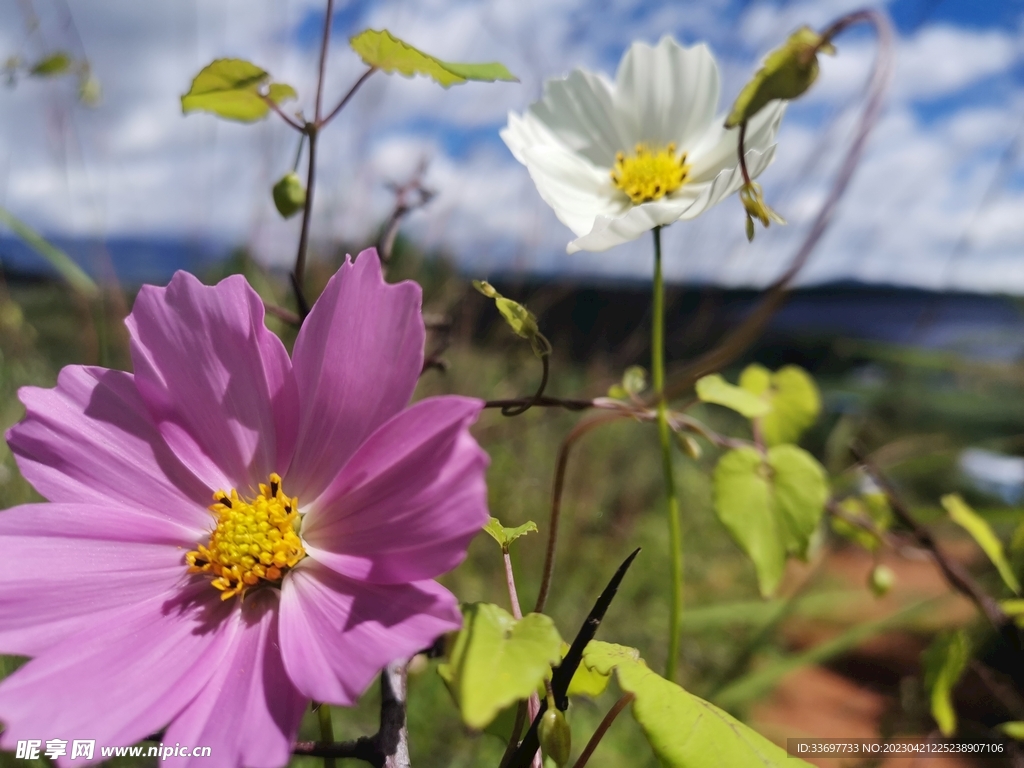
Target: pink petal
{"x":90,"y":439}
{"x":337,"y":634}
{"x":407,"y":504}
{"x":123,"y":680}
{"x":249,"y":711}
{"x":217,"y":383}
{"x":69,"y":566}
{"x":356,"y":360}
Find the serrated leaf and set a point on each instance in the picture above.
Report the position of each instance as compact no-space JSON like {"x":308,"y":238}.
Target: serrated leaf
{"x":944,"y":661}
{"x":55,"y":64}
{"x":982,"y":533}
{"x":505,"y":536}
{"x":381,"y":49}
{"x":715,"y":389}
{"x":496,"y":660}
{"x":232,"y":89}
{"x":683,"y":730}
{"x":770,"y":505}
{"x":801,"y":491}
{"x":744,"y":504}
{"x":793,"y":398}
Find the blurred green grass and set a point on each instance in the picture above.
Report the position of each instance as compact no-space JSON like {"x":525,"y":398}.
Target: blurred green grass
{"x":612,"y":501}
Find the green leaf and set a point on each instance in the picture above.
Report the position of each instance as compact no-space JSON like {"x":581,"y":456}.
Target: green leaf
{"x":289,"y":195}
{"x":787,"y":73}
{"x":496,"y":660}
{"x":982,"y":533}
{"x":715,"y":389}
{"x":505,"y":536}
{"x":52,"y":65}
{"x":1013,"y":729}
{"x":944,"y":661}
{"x":770,"y":505}
{"x":1015,"y":610}
{"x":683,"y":730}
{"x":793,"y":396}
{"x":73,"y":274}
{"x":381,"y":49}
{"x":744,"y":504}
{"x":234,"y":89}
{"x":801,"y":491}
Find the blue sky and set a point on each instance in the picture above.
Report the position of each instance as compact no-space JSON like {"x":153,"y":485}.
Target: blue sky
{"x":938,"y":201}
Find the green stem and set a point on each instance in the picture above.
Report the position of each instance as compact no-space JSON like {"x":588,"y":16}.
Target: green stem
{"x":323,"y":714}
{"x":665,"y":436}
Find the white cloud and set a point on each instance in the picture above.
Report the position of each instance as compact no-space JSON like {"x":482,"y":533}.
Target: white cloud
{"x":135,"y":165}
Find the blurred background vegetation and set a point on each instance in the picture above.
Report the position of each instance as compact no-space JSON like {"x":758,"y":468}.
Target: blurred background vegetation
{"x":824,"y":658}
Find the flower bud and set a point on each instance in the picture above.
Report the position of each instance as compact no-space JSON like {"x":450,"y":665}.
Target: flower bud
{"x":787,"y":73}
{"x":289,"y":195}
{"x":688,"y":445}
{"x":555,"y":736}
{"x":519,"y":318}
{"x":881,"y":580}
{"x":753,"y":201}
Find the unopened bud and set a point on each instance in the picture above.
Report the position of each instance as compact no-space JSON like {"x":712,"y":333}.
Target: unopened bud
{"x":289,"y":195}
{"x":787,"y":73}
{"x":753,"y":202}
{"x":519,"y":318}
{"x":555,"y":736}
{"x":689,"y":446}
{"x":881,"y":580}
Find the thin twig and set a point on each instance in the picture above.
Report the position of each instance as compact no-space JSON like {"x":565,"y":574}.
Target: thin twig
{"x":556,"y":499}
{"x":280,"y":112}
{"x":602,"y":729}
{"x":345,"y":99}
{"x":281,"y":313}
{"x":570,"y":404}
{"x":403,"y":207}
{"x":325,"y":45}
{"x":510,"y":580}
{"x":513,"y":739}
{"x":516,"y":410}
{"x":955,"y":573}
{"x":750,"y":329}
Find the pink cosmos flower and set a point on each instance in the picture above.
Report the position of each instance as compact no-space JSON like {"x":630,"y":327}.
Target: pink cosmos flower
{"x":144,"y":607}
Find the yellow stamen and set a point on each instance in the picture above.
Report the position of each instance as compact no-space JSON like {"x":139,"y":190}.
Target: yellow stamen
{"x":649,"y":175}
{"x":254,"y":541}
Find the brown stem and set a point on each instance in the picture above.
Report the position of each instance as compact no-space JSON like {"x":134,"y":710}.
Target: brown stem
{"x":280,"y":112}
{"x":750,"y":329}
{"x":556,"y":498}
{"x":516,"y":410}
{"x":325,"y":45}
{"x":281,"y":313}
{"x":742,"y":154}
{"x":570,"y":404}
{"x":955,"y":573}
{"x":602,"y":729}
{"x":403,"y":207}
{"x":345,"y":99}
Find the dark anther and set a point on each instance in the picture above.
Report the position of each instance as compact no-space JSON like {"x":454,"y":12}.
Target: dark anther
{"x":273,"y":488}
{"x":657,"y":188}
{"x":226,"y":501}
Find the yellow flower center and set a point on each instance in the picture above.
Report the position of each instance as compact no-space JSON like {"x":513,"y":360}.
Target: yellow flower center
{"x":254,"y":541}
{"x":649,"y":174}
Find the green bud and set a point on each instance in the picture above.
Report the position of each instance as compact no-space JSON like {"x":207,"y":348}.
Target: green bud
{"x":753,"y":202}
{"x":289,"y":195}
{"x":689,"y":446}
{"x":54,"y":64}
{"x":555,"y":736}
{"x":634,"y":379}
{"x":881,"y":580}
{"x":787,"y":73}
{"x":89,"y":90}
{"x":519,"y":318}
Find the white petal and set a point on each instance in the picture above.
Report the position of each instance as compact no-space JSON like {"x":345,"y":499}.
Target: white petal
{"x":716,"y":150}
{"x":577,"y":190}
{"x":524,"y":131}
{"x":580,"y":112}
{"x":688,"y":203}
{"x":666,"y":93}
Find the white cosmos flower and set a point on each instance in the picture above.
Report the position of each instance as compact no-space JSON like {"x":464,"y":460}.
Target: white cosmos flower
{"x":617,"y":159}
